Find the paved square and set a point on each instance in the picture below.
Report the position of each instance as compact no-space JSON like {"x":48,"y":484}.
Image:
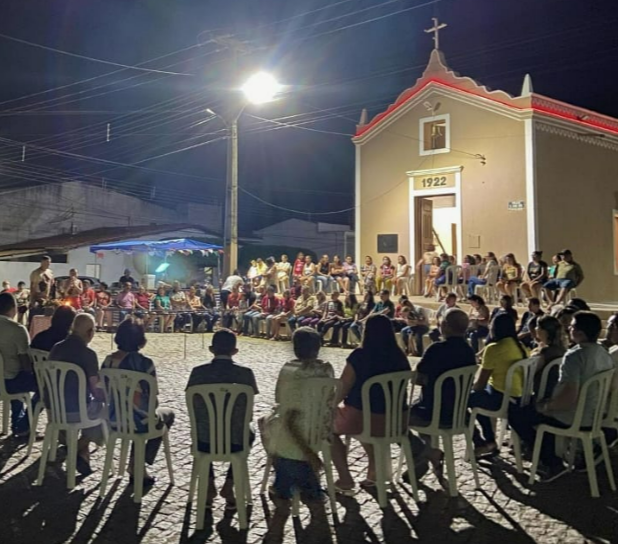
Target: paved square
{"x":504,"y":510}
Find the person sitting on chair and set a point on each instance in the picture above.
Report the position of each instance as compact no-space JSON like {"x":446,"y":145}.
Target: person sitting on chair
{"x":60,"y":326}
{"x":222,"y":369}
{"x":296,"y":464}
{"x":583,"y":361}
{"x":568,"y":275}
{"x":130,"y":339}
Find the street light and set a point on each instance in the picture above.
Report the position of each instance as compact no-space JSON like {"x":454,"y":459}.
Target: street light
{"x":258,"y":89}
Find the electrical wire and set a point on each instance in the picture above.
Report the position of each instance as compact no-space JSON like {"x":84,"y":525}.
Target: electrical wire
{"x":85,"y":57}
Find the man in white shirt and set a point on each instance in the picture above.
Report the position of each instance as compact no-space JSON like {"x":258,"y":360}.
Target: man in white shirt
{"x":18,"y":376}
{"x":228,"y":286}
{"x":583,"y":361}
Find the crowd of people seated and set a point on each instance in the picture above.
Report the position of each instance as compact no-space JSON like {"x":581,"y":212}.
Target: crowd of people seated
{"x":295,"y":464}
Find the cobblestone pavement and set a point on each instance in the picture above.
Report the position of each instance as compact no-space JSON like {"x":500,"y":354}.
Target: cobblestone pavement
{"x":504,"y":510}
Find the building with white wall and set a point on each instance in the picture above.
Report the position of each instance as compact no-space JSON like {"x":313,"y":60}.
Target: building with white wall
{"x":321,"y":238}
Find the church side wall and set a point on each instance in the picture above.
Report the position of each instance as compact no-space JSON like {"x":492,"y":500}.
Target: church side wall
{"x":577,"y":191}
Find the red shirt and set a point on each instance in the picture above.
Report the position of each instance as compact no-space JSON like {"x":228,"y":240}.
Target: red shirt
{"x":232,"y":300}
{"x":269,"y":304}
{"x":298,"y":267}
{"x":88,"y":297}
{"x":287,"y":305}
{"x":143,"y":299}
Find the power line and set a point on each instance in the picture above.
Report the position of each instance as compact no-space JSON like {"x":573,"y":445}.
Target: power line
{"x":92,"y":59}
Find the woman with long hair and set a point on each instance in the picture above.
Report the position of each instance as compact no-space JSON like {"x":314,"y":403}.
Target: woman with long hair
{"x":510,"y":276}
{"x":551,"y":346}
{"x":402,"y":276}
{"x":378,"y":354}
{"x":479,"y":321}
{"x":490,"y":385}
{"x":535,"y":276}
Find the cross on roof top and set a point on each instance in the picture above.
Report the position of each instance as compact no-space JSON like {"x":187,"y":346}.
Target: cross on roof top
{"x":435,"y":30}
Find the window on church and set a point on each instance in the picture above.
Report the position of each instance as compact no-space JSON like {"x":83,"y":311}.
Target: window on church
{"x":435,"y":135}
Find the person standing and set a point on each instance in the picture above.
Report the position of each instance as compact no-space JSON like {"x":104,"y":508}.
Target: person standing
{"x":233,"y":281}
{"x":126,"y":278}
{"x":22,"y":295}
{"x":18,"y":376}
{"x":41,"y":284}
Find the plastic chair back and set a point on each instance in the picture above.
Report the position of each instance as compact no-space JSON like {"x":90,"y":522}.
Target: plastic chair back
{"x":39,"y":355}
{"x":121,"y":387}
{"x":318,"y":395}
{"x":220,"y":400}
{"x":394,"y":386}
{"x":525,"y":368}
{"x":53,"y":377}
{"x":599,"y":383}
{"x":463,"y":379}
{"x":453,"y":273}
{"x":545,"y":376}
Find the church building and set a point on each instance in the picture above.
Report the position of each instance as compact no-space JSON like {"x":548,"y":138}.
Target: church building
{"x":472,"y":170}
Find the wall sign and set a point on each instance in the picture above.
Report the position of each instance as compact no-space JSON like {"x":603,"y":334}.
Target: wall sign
{"x":388,"y":243}
{"x":437,"y":181}
{"x":516,"y":205}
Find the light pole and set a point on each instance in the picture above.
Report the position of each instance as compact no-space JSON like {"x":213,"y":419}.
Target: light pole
{"x":258,"y":89}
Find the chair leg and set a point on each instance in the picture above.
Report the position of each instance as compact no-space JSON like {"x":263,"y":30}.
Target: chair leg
{"x":194,"y":479}
{"x":407,"y":450}
{"x":71,"y":460}
{"x":266,"y":475}
{"x":54,"y":444}
{"x":239,"y":491}
{"x":536,"y":454}
{"x":35,"y":422}
{"x":330,"y":482}
{"x":502,"y":423}
{"x":470,"y":449}
{"x":247,"y":480}
{"x":44,"y":455}
{"x":517,"y":451}
{"x":6,"y":410}
{"x":202,"y":488}
{"x":168,"y":456}
{"x":110,"y":446}
{"x":139,"y":463}
{"x":592,"y":469}
{"x":608,"y":463}
{"x":380,"y":453}
{"x":295,"y":503}
{"x":450,"y":464}
{"x":124,"y":450}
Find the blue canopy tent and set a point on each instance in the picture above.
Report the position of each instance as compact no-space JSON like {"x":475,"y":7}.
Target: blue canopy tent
{"x":158,"y":247}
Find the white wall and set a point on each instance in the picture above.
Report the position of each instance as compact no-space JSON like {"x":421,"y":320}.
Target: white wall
{"x":443,"y":218}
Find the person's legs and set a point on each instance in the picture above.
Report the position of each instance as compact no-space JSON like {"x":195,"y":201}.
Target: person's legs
{"x":24,"y":382}
{"x":419,"y":331}
{"x":489,"y":399}
{"x":565,"y":287}
{"x":473,"y":282}
{"x":356,"y":329}
{"x":526,"y":289}
{"x":337,"y":326}
{"x":292,"y":322}
{"x":224,"y":295}
{"x":166,"y":417}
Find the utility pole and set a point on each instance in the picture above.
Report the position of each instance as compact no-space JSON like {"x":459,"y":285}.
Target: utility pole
{"x":230,"y":119}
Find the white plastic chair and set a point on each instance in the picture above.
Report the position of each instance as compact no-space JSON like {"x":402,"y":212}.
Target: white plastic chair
{"x":601,"y":382}
{"x":6,"y":398}
{"x":540,"y":394}
{"x":319,"y":395}
{"x":394,"y":386}
{"x":120,"y":388}
{"x":452,"y":285}
{"x":52,"y":376}
{"x":525,"y":367}
{"x":38,"y":356}
{"x":489,"y":289}
{"x":462,"y":379}
{"x":610,"y":421}
{"x":220,"y":400}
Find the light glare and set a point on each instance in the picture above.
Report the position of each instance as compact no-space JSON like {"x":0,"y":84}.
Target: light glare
{"x":261,"y":88}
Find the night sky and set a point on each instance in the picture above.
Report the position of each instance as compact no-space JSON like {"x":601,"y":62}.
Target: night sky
{"x":334,"y":62}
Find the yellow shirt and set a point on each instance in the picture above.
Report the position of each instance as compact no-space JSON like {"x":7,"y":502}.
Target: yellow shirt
{"x":498,"y":358}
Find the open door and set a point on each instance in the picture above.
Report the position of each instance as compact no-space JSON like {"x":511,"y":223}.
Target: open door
{"x":423,"y":236}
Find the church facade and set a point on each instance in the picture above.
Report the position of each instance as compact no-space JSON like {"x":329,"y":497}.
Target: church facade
{"x":473,"y":170}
